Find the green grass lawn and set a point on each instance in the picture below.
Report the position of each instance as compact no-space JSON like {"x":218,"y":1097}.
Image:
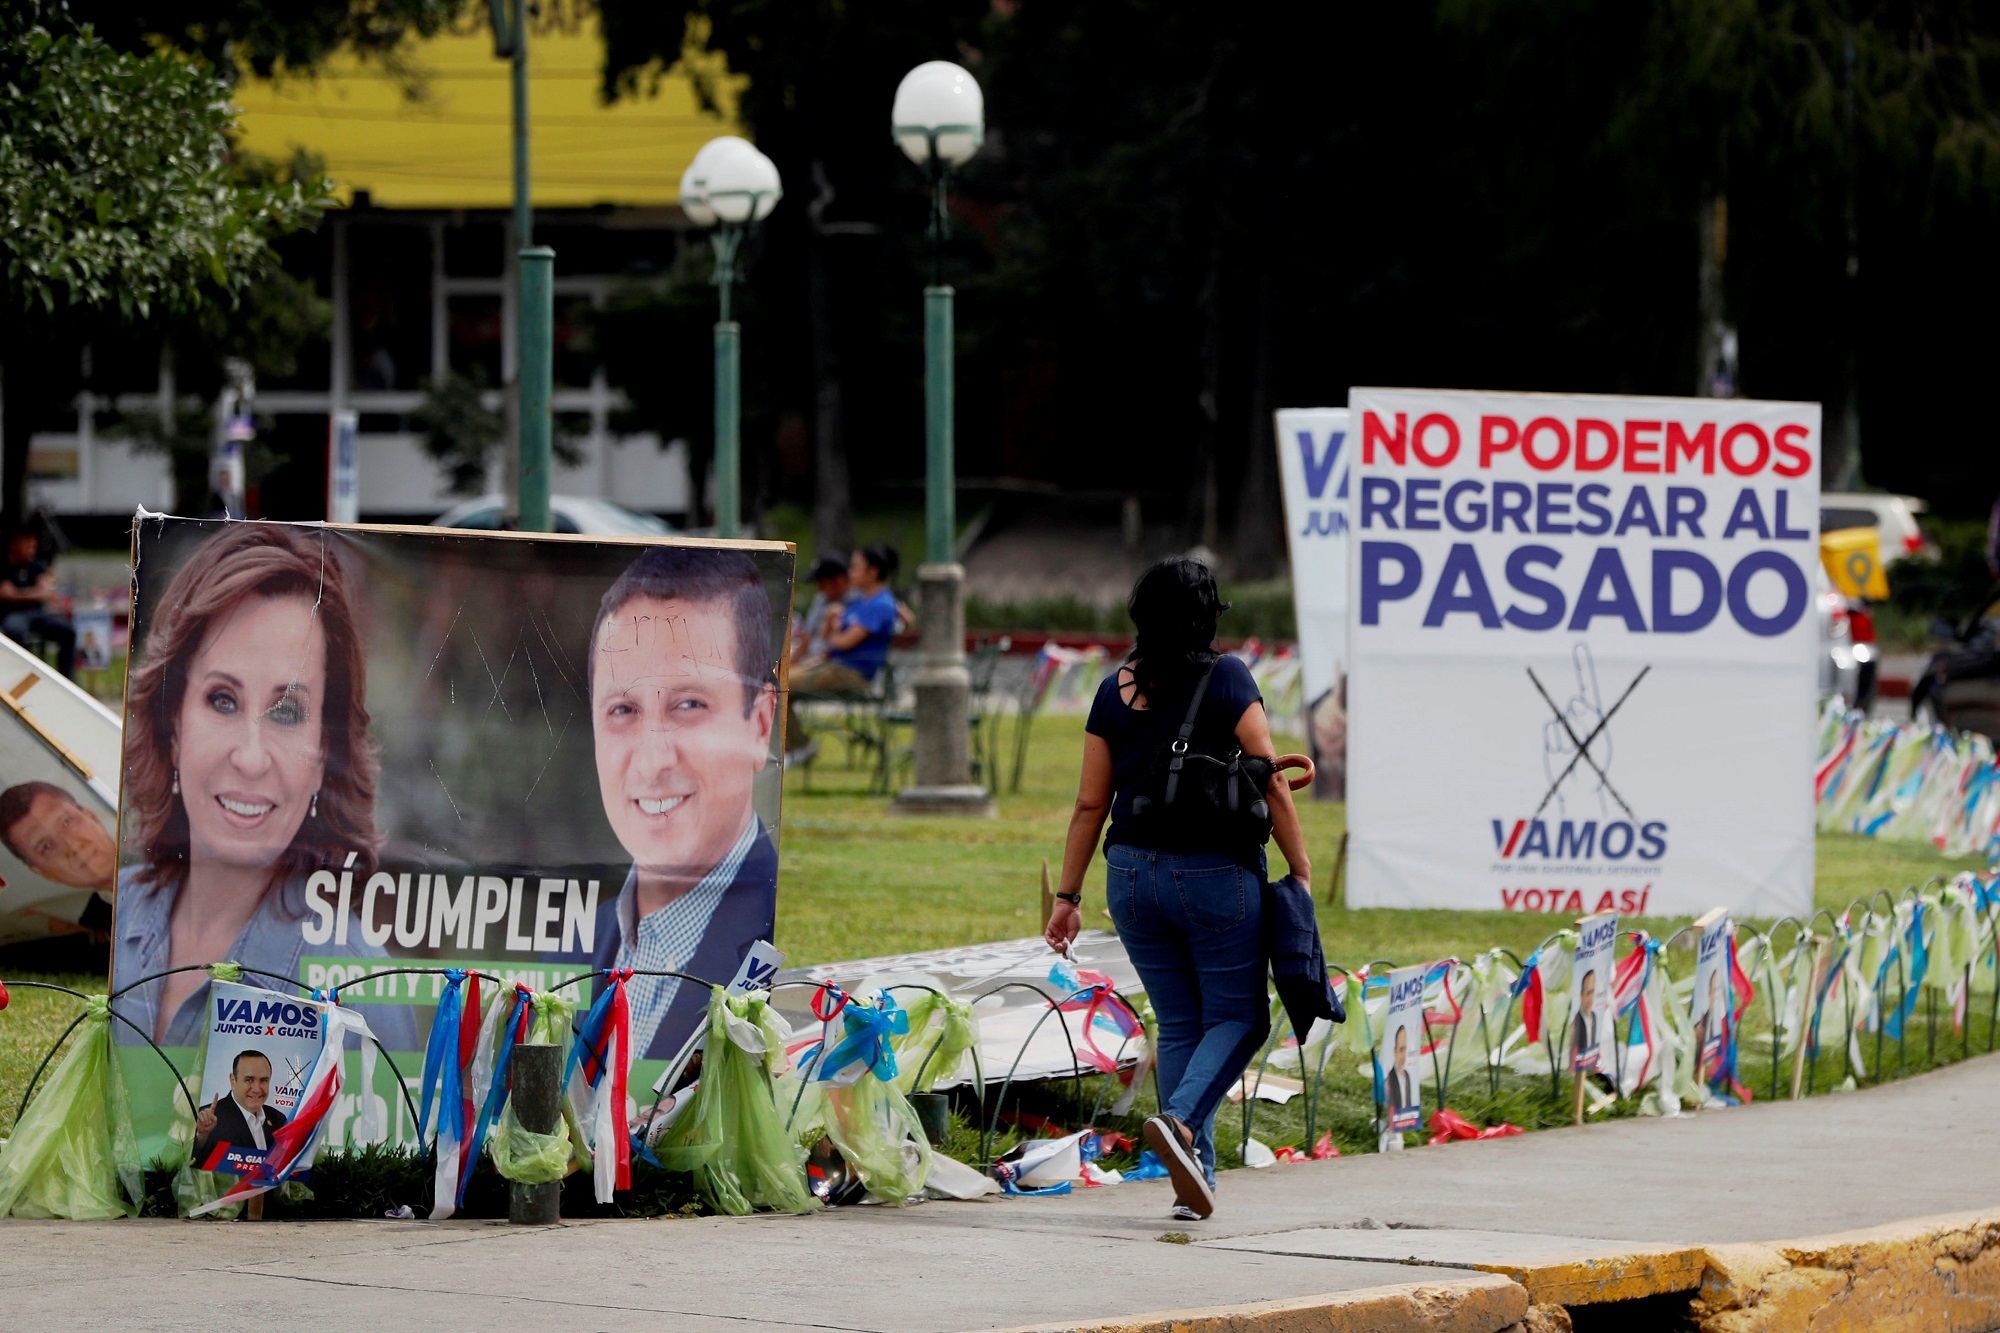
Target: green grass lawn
{"x":858,"y":881}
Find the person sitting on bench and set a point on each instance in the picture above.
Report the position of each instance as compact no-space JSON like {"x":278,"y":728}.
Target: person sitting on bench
{"x":857,"y":647}
{"x":25,"y":589}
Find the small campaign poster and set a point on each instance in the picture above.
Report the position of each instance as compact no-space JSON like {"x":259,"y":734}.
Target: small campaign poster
{"x":93,"y":638}
{"x":1402,"y":1043}
{"x":1590,"y":990}
{"x":1709,"y":1012}
{"x":534,"y":756}
{"x":1313,"y":461}
{"x":261,"y":1046}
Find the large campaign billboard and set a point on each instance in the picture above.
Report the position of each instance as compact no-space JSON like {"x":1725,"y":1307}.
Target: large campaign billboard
{"x":1583,"y":632}
{"x":1314,"y":460}
{"x":349,"y":749}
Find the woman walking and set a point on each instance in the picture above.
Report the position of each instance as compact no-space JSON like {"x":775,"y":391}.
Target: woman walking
{"x":1185,"y":869}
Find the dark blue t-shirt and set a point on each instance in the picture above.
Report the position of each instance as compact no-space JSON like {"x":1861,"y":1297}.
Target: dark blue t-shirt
{"x":1135,"y":734}
{"x":877,"y":615}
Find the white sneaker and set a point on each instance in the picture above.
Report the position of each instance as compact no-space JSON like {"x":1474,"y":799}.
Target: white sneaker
{"x":1183,"y":1213}
{"x":1163,"y":1136}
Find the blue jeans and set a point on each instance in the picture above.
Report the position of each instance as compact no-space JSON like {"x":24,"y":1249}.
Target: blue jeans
{"x":1193,"y":927}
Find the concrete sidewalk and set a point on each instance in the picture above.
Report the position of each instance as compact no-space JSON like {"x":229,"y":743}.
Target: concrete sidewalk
{"x":1405,"y":1231}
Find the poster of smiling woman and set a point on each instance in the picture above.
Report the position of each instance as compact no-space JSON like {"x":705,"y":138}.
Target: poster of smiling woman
{"x":352,"y":749}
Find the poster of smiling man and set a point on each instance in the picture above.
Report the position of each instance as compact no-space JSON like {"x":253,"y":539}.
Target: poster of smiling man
{"x":261,"y":1045}
{"x":1709,"y":1011}
{"x":1590,"y":995}
{"x":353,"y":749}
{"x":1396,"y":1058}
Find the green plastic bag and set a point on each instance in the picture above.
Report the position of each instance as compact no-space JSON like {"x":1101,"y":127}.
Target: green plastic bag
{"x":73,"y":1153}
{"x":942,"y":1031}
{"x":519,"y":1154}
{"x":523,"y":1156}
{"x":870,"y":1122}
{"x":877,"y":1131}
{"x":732,"y":1135}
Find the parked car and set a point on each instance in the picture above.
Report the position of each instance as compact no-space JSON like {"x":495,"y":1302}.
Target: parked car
{"x":1894,"y":518}
{"x":1847,"y":654}
{"x":572,"y":513}
{"x":1959,"y":685}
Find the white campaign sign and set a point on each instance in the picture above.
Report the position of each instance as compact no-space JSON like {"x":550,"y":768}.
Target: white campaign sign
{"x":1314,"y":453}
{"x":1582,"y":643}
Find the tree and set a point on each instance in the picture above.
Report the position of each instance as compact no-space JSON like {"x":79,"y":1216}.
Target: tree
{"x":642,"y":329}
{"x":259,"y":335}
{"x":270,"y":38}
{"x":837,"y":279}
{"x":117,"y":199}
{"x":1186,"y":216}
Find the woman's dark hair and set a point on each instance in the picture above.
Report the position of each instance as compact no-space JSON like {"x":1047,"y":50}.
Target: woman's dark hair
{"x":1174,"y":608}
{"x":884,"y":559}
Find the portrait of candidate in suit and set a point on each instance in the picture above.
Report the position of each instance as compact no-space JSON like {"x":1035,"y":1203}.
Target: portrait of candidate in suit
{"x":683,"y":673}
{"x":1401,"y":1082}
{"x":1583,"y":1027}
{"x":243,"y":1119}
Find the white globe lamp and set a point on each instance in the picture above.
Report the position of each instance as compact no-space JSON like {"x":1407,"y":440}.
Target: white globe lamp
{"x":939,"y":114}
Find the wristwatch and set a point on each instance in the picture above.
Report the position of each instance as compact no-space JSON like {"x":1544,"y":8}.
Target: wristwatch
{"x":1073,"y":899}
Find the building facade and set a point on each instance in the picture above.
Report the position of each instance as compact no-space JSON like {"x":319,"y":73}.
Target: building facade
{"x":417,"y":271}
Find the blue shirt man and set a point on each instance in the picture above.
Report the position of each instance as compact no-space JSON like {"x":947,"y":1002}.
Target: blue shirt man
{"x":875,"y":616}
{"x":861,"y":644}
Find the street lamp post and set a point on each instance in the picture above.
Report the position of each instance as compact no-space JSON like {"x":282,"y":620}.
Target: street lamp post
{"x":731,"y":187}
{"x":534,"y":302}
{"x":939,"y":120}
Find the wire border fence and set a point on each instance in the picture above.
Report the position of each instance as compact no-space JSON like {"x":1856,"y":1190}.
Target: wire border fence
{"x":1809,"y":990}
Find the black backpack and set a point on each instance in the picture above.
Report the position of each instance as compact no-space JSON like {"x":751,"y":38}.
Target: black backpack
{"x":1189,"y":797}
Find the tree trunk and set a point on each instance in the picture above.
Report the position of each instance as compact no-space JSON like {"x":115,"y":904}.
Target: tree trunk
{"x":13,"y":448}
{"x":1715,"y":340}
{"x":38,"y":375}
{"x":1260,"y":523}
{"x":833,"y":498}
{"x":1206,"y":500}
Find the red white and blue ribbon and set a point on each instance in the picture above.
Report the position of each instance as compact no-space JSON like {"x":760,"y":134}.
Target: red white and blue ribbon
{"x":448,"y":1057}
{"x":1920,"y":959}
{"x":293,"y":1143}
{"x":1528,"y":986}
{"x":1439,"y":1022}
{"x":867,"y":1045}
{"x":602,"y":1051}
{"x":1631,"y":993}
{"x":499,"y":1082}
{"x":1722,"y":1078}
{"x":1092,"y":995}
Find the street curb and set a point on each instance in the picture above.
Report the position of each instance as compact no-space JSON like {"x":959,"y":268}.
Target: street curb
{"x":1483,"y":1304}
{"x":1591,"y":1279}
{"x":1934,"y":1274}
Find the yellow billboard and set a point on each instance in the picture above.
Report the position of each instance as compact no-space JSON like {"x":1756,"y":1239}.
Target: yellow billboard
{"x":431,"y":127}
